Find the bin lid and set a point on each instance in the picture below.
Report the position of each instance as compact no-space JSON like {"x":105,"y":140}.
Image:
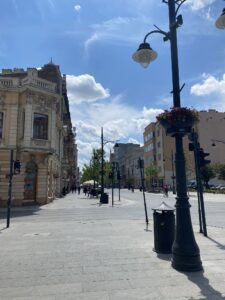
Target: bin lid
{"x":163,"y":207}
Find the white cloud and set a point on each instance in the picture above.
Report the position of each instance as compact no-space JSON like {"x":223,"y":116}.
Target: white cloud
{"x":199,"y":4}
{"x":77,"y":7}
{"x":133,"y":141}
{"x":210,"y":85}
{"x":91,"y":40}
{"x":212,"y":91}
{"x":119,"y":30}
{"x":84,"y":88}
{"x":120,"y":121}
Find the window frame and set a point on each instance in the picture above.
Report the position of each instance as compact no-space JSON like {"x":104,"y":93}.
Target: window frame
{"x":1,"y":125}
{"x":40,"y":131}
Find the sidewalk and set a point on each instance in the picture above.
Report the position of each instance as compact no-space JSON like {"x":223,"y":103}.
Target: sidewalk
{"x":62,"y":251}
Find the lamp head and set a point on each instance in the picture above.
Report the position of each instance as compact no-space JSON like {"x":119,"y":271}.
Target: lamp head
{"x":220,"y":23}
{"x":144,"y":55}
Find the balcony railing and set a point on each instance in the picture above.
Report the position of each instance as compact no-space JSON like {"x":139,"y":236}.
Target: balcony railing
{"x":39,"y":83}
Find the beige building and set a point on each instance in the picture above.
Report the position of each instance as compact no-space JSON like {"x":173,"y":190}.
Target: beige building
{"x":211,"y":130}
{"x":159,"y":149}
{"x":35,"y":123}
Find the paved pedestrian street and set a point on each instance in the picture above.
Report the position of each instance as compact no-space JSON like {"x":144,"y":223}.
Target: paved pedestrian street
{"x":75,"y":249}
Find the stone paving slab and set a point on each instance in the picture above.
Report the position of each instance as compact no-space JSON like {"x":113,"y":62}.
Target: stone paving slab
{"x":104,"y":259}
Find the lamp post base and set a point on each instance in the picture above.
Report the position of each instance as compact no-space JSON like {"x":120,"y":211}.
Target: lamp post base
{"x":186,"y":263}
{"x":185,"y":251}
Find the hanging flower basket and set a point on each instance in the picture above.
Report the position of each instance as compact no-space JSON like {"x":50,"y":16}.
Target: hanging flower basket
{"x":178,"y":120}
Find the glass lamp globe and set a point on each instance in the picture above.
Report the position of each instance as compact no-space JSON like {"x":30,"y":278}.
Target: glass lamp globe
{"x":220,"y":23}
{"x":144,"y":55}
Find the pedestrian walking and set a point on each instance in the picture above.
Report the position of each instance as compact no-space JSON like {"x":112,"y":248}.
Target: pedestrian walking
{"x":166,"y":190}
{"x":78,"y":189}
{"x":85,"y":190}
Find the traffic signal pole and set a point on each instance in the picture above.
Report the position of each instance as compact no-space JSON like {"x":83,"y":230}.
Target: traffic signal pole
{"x":198,"y":179}
{"x":113,"y":186}
{"x":141,"y":167}
{"x":201,"y":205}
{"x":10,"y":189}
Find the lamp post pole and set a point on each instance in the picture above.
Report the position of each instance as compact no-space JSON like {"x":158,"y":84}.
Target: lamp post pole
{"x":102,"y":169}
{"x":104,"y":196}
{"x":185,"y":251}
{"x":173,"y":175}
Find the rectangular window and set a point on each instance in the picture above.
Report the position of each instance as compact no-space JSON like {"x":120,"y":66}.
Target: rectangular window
{"x":1,"y":125}
{"x":40,"y":128}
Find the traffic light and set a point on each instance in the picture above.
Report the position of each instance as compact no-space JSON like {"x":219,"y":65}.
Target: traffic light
{"x":17,"y":166}
{"x":202,"y":161}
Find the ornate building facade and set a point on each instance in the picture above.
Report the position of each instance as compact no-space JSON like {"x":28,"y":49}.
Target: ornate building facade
{"x":35,"y":123}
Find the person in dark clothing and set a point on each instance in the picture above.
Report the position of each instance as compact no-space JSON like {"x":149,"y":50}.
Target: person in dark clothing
{"x":85,"y":190}
{"x":78,"y":189}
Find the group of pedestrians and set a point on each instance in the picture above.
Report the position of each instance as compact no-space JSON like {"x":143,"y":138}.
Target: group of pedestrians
{"x":75,"y":189}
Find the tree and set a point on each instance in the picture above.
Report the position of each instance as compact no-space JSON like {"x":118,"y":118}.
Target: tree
{"x":93,"y":170}
{"x":96,"y":163}
{"x":207,"y":173}
{"x":151,"y":173}
{"x":86,"y":173}
{"x":220,"y":170}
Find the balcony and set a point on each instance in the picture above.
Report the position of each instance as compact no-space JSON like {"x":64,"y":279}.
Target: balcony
{"x":39,"y":83}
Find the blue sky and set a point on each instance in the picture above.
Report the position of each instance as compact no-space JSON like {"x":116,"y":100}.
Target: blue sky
{"x":93,"y":41}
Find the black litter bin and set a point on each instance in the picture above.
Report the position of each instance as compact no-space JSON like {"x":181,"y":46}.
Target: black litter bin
{"x":104,"y":198}
{"x":164,"y":228}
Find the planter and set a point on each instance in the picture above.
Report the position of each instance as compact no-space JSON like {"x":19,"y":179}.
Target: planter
{"x":178,"y":121}
{"x":172,"y":131}
{"x":178,"y":127}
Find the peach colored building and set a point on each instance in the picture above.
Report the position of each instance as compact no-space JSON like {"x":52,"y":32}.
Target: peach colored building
{"x":159,"y":149}
{"x":35,"y":123}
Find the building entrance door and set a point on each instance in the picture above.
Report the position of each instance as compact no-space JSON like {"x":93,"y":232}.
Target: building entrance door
{"x":30,"y":183}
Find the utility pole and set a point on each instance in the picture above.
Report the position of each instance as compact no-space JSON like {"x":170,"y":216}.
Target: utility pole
{"x":10,"y":189}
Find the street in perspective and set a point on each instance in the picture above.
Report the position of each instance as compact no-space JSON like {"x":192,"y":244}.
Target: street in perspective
{"x":112,"y":150}
{"x":77,"y":248}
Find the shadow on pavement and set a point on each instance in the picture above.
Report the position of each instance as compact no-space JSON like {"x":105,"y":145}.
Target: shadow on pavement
{"x":164,"y":256}
{"x":4,"y":228}
{"x":207,"y":291}
{"x":219,"y":245}
{"x":21,"y":211}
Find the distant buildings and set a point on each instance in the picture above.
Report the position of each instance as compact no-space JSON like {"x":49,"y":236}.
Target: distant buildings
{"x":159,"y":149}
{"x":35,"y":122}
{"x":127,"y":156}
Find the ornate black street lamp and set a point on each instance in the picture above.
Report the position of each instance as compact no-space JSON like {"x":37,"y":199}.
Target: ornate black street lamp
{"x":104,"y":197}
{"x":185,"y":251}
